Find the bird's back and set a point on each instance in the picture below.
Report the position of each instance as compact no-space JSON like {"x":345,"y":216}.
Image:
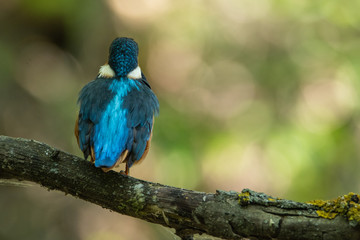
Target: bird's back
{"x":116,"y":115}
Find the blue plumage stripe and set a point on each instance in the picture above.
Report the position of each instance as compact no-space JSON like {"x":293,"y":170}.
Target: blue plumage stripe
{"x":111,"y":135}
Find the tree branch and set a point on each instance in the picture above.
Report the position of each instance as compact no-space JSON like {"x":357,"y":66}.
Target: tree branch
{"x":227,"y":215}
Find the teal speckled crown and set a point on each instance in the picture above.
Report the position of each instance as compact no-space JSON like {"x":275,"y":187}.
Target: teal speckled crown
{"x":123,"y":57}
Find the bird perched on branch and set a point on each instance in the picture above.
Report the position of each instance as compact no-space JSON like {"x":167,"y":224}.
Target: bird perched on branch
{"x":117,"y":110}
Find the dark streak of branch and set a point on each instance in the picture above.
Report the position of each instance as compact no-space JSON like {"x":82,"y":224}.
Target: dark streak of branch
{"x":223,"y":214}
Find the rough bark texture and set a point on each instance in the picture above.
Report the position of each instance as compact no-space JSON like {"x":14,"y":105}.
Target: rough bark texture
{"x":227,"y":215}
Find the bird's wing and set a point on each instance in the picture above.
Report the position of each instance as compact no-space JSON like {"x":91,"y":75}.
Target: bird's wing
{"x":142,"y":105}
{"x":83,"y":131}
{"x":93,"y":99}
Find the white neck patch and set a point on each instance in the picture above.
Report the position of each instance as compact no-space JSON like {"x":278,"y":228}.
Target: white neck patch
{"x":106,"y":71}
{"x":135,"y":74}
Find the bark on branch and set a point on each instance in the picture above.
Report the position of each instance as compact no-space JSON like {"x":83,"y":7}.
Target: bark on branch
{"x":227,"y":215}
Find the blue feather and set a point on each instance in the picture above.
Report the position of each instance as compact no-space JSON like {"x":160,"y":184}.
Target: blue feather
{"x":123,"y":54}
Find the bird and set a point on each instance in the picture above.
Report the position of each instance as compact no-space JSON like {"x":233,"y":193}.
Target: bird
{"x":117,"y":110}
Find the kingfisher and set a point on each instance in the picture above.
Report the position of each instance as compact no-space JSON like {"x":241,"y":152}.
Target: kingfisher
{"x":117,"y":111}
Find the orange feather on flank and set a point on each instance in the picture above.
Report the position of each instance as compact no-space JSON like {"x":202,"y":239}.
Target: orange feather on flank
{"x":145,"y":152}
{"x":92,"y":154}
{"x":147,"y":145}
{"x":123,"y":157}
{"x":77,"y":129}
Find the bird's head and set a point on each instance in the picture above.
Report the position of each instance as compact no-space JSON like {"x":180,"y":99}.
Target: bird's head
{"x":123,"y":56}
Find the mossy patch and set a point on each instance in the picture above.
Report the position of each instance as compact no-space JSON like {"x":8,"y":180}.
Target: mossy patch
{"x":347,"y":205}
{"x":244,"y":198}
{"x":248,"y":196}
{"x":137,"y":201}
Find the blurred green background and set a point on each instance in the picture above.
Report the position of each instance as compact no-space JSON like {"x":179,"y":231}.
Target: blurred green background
{"x":253,"y":94}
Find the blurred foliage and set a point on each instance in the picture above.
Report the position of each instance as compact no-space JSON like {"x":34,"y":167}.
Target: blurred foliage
{"x":258,"y":94}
